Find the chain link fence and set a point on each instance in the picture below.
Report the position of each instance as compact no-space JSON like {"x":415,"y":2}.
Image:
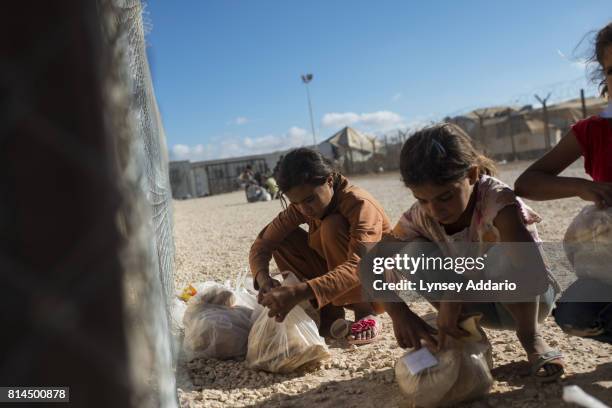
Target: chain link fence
{"x":86,"y":250}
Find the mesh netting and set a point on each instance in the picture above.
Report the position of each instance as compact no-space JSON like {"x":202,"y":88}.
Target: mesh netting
{"x":150,"y":290}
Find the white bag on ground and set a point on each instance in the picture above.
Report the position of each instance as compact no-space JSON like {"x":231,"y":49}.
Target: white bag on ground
{"x":587,"y":243}
{"x":287,"y":346}
{"x":462,"y":373}
{"x":215,"y":325}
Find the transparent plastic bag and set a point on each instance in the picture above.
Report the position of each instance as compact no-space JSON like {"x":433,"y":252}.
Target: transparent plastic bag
{"x":587,"y":243}
{"x":245,"y":294}
{"x":291,"y":279}
{"x":285,"y":347}
{"x":218,"y":320}
{"x":463,"y":371}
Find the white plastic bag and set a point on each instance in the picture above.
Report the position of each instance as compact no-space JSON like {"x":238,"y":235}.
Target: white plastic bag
{"x":218,"y":321}
{"x":178,"y":311}
{"x":284,"y":347}
{"x":587,"y":243}
{"x":245,"y":294}
{"x":462,"y":373}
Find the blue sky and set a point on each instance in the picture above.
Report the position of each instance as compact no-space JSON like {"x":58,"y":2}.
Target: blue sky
{"x":227,"y":73}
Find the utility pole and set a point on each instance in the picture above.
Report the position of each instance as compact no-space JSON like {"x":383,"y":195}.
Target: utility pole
{"x":306,"y":79}
{"x":545,"y":115}
{"x":584,"y":111}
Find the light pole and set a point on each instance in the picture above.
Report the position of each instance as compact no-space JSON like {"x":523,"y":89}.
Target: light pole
{"x":306,"y":79}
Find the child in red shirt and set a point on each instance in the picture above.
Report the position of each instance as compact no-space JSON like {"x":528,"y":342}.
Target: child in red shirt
{"x":594,"y":135}
{"x":591,"y":138}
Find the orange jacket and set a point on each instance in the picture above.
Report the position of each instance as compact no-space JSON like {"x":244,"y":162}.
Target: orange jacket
{"x":367,"y":223}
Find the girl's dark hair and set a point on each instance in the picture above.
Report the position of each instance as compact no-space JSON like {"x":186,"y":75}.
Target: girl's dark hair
{"x":603,"y":40}
{"x":304,"y":166}
{"x":440,"y":154}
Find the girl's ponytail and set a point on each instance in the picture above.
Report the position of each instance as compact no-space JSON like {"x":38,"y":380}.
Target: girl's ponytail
{"x":486,"y":165}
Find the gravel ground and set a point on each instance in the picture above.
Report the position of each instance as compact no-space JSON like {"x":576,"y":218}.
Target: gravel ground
{"x":213,"y":236}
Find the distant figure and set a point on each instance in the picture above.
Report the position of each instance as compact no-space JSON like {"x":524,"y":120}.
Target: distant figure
{"x":249,"y":183}
{"x":259,"y":178}
{"x":272,"y":187}
{"x":247,"y":176}
{"x":256,"y":193}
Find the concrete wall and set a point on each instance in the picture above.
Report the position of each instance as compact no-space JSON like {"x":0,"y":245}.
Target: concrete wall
{"x":200,"y":177}
{"x":181,"y":180}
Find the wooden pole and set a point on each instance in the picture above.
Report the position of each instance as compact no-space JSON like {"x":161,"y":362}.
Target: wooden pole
{"x":584,"y":111}
{"x":545,"y":115}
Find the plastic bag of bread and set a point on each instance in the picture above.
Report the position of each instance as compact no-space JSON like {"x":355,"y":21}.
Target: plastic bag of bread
{"x":285,"y":347}
{"x":215,"y":326}
{"x":460,"y":372}
{"x":587,"y":243}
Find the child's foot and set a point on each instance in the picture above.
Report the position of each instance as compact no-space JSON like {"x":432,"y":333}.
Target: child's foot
{"x":329,"y":314}
{"x":546,"y":363}
{"x":365,"y":330}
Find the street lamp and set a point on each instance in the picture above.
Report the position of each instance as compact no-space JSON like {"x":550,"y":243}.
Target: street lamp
{"x":306,"y":79}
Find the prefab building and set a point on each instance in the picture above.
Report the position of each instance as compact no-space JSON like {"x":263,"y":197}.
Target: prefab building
{"x":203,"y":178}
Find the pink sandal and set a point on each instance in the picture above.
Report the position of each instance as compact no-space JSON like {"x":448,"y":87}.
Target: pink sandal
{"x":365,"y":324}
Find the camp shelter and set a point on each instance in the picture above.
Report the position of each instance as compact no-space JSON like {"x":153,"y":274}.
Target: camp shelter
{"x":350,"y":148}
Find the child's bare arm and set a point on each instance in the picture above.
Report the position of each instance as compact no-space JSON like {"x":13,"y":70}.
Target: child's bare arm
{"x":523,"y":257}
{"x":541,"y":180}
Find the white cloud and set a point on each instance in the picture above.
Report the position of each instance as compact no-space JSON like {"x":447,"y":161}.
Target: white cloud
{"x":296,"y":134}
{"x":373,"y":122}
{"x":184,"y":152}
{"x":381,"y":119}
{"x":339,"y":119}
{"x":580,"y":63}
{"x":241,"y":120}
{"x":294,"y":137}
{"x":233,"y":147}
{"x":180,"y":150}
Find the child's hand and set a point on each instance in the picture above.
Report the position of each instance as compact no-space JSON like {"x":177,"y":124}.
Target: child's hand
{"x":448,"y":319}
{"x":280,"y":300}
{"x":410,"y":329}
{"x":598,"y":193}
{"x":266,"y":283}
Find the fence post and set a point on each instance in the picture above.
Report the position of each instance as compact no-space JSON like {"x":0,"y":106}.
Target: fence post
{"x":584,"y":111}
{"x":545,"y":115}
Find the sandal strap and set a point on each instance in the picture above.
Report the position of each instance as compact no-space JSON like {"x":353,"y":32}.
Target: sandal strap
{"x":363,"y":325}
{"x":545,"y":358}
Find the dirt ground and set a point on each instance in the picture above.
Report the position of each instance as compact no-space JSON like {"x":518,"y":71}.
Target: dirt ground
{"x":213,"y":236}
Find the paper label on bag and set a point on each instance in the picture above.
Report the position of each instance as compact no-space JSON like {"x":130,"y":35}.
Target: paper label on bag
{"x":420,"y":360}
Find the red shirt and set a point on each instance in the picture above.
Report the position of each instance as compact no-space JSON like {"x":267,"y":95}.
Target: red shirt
{"x":594,"y":135}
